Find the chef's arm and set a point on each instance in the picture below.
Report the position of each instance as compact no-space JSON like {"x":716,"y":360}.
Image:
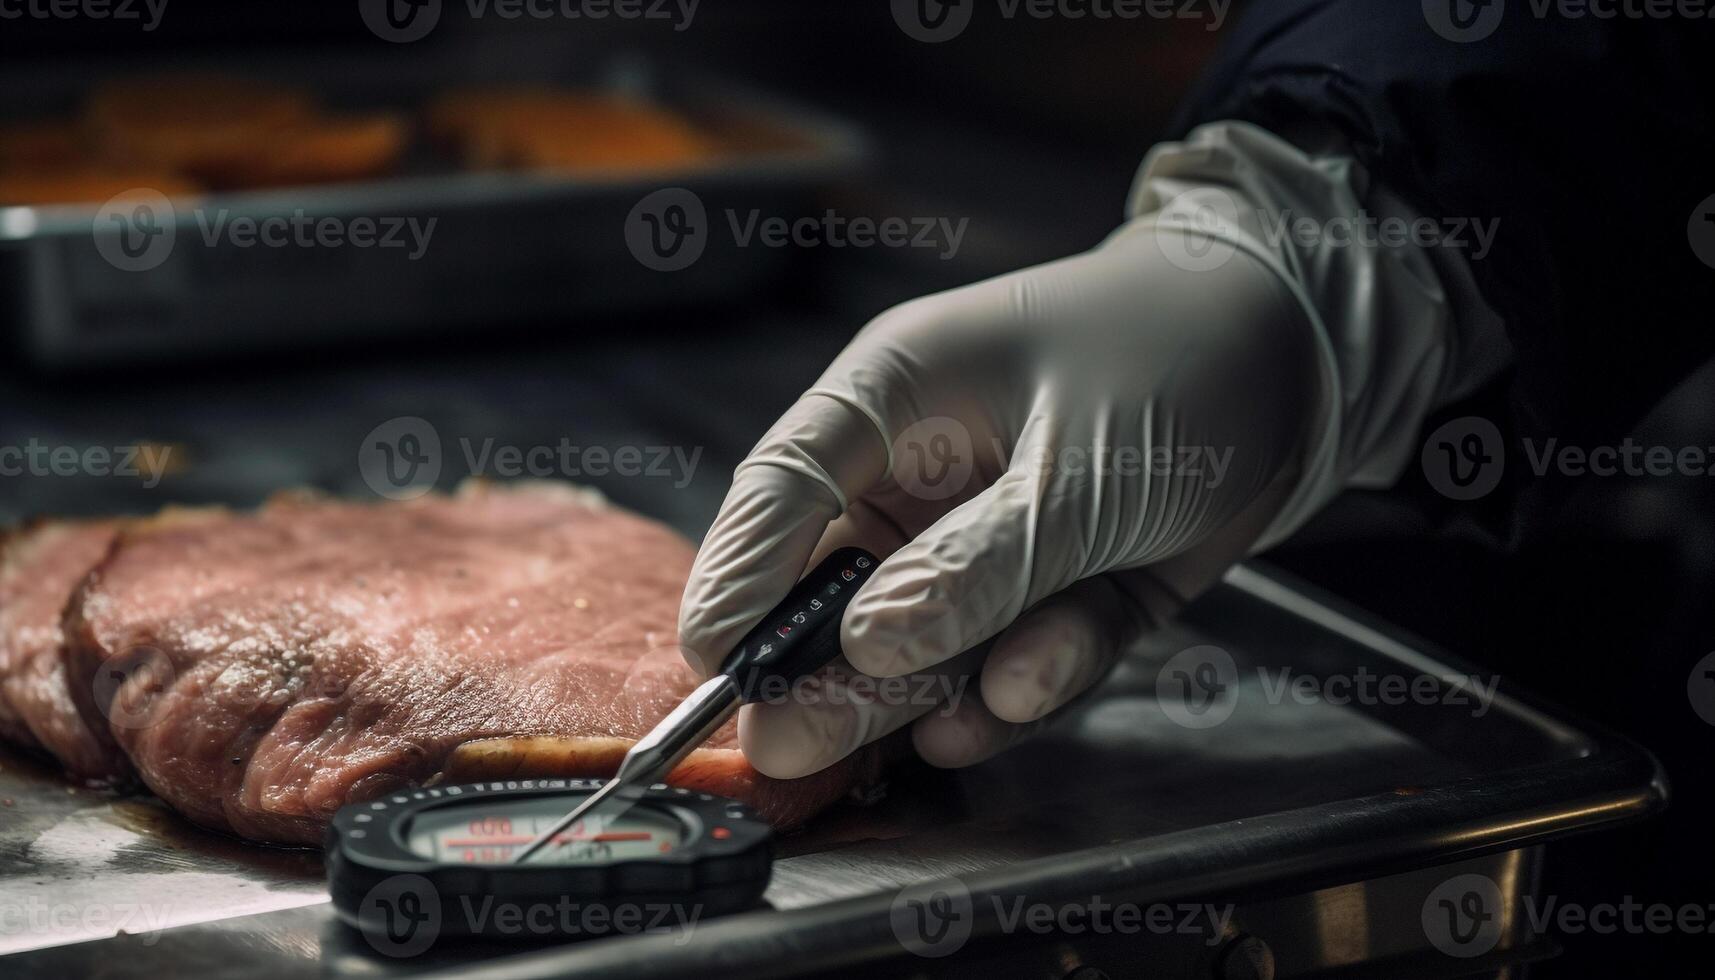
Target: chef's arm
{"x":1570,"y":182}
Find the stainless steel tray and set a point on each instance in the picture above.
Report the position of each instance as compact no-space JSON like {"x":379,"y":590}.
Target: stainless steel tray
{"x":505,"y":248}
{"x":1325,"y":826}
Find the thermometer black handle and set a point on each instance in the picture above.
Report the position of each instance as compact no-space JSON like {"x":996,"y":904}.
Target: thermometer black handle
{"x":802,"y":634}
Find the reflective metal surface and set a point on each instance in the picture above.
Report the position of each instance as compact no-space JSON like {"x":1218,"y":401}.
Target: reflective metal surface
{"x":79,"y":864}
{"x":1324,"y":809}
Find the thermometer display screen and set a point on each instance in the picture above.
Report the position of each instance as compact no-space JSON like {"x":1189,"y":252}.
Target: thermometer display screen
{"x":491,"y":832}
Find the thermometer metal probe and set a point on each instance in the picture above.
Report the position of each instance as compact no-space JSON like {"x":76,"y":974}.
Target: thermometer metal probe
{"x":797,"y":638}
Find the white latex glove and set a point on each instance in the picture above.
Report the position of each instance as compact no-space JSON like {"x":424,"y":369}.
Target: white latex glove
{"x":1059,"y":457}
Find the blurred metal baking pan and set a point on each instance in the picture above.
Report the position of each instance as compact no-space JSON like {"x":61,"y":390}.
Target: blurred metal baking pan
{"x":83,"y":285}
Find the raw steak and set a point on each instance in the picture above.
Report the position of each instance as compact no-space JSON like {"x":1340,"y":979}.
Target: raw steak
{"x":39,"y":568}
{"x":280,"y":664}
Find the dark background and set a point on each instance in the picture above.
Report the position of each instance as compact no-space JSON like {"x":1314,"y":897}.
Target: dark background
{"x":1033,"y":130}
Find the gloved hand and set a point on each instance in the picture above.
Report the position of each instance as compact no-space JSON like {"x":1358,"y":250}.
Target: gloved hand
{"x":1056,"y":460}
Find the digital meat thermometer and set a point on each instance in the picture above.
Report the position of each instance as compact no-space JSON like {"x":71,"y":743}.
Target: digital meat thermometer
{"x":797,"y":638}
{"x":445,"y":860}
{"x":416,"y":866}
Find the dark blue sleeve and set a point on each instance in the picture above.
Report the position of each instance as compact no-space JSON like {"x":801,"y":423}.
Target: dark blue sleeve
{"x":1591,"y":140}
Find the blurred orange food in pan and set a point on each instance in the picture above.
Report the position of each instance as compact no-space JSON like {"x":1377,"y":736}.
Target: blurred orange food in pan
{"x":178,"y":133}
{"x":85,"y":185}
{"x":230,"y":132}
{"x":323,"y":150}
{"x":53,"y":143}
{"x":559,"y":130}
{"x":186,"y":132}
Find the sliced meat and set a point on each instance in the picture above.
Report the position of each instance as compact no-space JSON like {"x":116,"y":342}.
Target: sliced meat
{"x":277,"y":665}
{"x":39,"y":568}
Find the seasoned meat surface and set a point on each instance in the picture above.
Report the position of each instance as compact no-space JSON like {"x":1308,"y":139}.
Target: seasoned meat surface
{"x":267,"y":668}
